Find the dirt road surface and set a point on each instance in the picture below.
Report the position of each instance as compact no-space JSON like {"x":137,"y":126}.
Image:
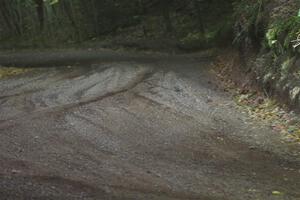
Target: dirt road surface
{"x":105,"y":125}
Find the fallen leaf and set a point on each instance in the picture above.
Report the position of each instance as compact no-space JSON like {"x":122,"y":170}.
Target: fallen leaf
{"x":276,"y":193}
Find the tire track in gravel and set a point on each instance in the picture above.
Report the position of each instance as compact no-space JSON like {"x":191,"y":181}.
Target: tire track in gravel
{"x":124,"y":126}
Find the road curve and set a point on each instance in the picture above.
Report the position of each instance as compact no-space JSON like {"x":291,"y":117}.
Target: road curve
{"x":106,"y":125}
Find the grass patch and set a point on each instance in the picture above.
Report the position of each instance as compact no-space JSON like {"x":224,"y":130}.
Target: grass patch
{"x":12,"y":71}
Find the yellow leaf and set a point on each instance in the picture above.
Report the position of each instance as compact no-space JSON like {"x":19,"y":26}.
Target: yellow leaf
{"x":276,"y":193}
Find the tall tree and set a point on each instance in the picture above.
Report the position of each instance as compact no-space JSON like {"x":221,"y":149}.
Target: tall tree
{"x":40,"y":13}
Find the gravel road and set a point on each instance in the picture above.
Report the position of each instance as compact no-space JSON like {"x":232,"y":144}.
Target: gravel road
{"x":110,"y":125}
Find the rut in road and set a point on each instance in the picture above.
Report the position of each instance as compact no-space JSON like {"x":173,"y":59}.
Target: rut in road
{"x":130,"y":127}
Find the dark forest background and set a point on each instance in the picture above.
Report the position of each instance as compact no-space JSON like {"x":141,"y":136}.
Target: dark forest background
{"x":38,"y":23}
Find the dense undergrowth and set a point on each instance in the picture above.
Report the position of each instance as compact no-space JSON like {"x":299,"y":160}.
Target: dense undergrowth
{"x":253,"y":101}
{"x":183,"y":24}
{"x":265,"y":38}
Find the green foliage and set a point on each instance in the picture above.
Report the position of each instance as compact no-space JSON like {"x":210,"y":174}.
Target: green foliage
{"x":63,"y":20}
{"x":52,"y":2}
{"x":251,"y":11}
{"x":282,"y":32}
{"x":41,"y":22}
{"x":249,"y":17}
{"x":271,"y":37}
{"x":196,"y":37}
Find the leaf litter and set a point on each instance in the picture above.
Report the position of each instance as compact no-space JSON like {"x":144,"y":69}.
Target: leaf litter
{"x":258,"y":105}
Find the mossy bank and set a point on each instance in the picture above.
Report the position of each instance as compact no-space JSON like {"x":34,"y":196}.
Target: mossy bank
{"x":266,"y":35}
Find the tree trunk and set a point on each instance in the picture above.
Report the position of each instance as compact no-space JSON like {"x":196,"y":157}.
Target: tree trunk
{"x":4,"y":14}
{"x":70,"y":14}
{"x":168,"y":22}
{"x":40,"y":13}
{"x":166,"y":12}
{"x":198,"y":9}
{"x":10,"y":17}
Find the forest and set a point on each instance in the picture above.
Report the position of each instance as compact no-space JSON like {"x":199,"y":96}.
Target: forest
{"x":149,"y":99}
{"x":39,"y":22}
